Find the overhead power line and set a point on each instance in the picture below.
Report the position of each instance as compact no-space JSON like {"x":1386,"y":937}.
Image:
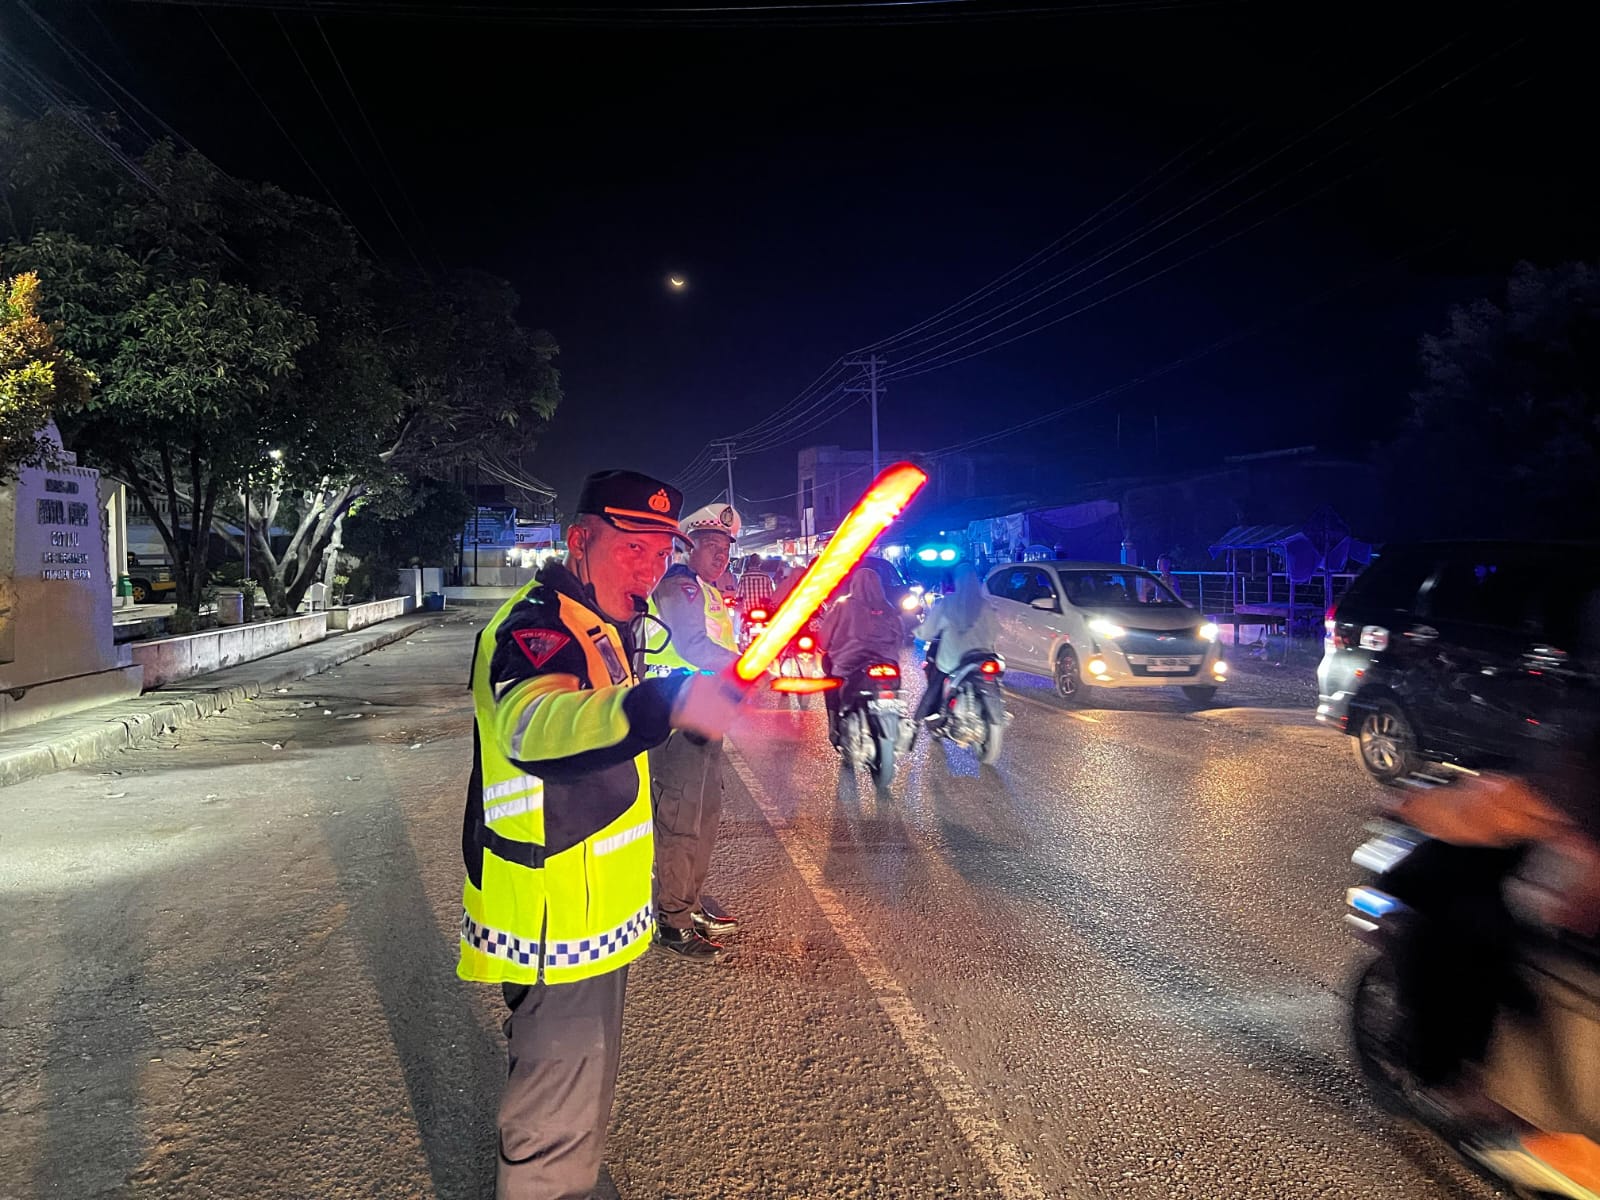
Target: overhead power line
{"x":1279,"y":316}
{"x":293,"y":145}
{"x":355,"y":156}
{"x":886,"y":14}
{"x":1105,"y":215}
{"x":52,"y":97}
{"x":377,"y":141}
{"x":945,"y":344}
{"x":904,"y":366}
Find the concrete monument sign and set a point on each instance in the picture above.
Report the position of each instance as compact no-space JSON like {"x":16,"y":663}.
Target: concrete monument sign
{"x":57,"y":654}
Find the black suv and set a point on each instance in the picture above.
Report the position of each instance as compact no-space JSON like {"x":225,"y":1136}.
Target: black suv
{"x":1460,"y":652}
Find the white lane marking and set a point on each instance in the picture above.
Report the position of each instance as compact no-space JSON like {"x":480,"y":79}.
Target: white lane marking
{"x":1046,"y":706}
{"x":981,"y":1132}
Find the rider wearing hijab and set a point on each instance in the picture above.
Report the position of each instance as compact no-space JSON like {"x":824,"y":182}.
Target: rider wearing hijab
{"x":860,"y":629}
{"x":960,"y":623}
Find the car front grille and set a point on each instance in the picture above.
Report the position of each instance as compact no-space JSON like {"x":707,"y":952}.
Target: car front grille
{"x":1166,"y":643}
{"x":1141,"y":645}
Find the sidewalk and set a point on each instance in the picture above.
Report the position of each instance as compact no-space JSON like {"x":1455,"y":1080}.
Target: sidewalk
{"x":94,"y":733}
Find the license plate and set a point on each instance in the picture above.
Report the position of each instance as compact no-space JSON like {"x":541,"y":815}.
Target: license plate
{"x":1168,"y":664}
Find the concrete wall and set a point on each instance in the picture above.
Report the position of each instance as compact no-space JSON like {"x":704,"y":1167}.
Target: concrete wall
{"x":167,"y":659}
{"x":359,"y":616}
{"x":497,"y":577}
{"x":410,"y":585}
{"x":495,"y":596}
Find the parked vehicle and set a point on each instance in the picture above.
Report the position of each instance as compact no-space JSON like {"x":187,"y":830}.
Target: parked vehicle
{"x":152,"y":579}
{"x":971,"y":709}
{"x":1449,"y":651}
{"x":870,"y":716}
{"x":1102,"y":625}
{"x":1546,"y":1031}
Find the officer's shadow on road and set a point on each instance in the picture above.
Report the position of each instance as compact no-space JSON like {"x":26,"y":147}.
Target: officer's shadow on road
{"x":453,"y":1066}
{"x":869,"y":844}
{"x":98,"y":1032}
{"x":959,"y":790}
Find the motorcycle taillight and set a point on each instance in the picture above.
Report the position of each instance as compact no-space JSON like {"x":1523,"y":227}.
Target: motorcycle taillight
{"x":806,"y":642}
{"x":990,"y":667}
{"x":883,"y":671}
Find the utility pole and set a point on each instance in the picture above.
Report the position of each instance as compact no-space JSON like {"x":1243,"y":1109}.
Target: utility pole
{"x":726,"y":446}
{"x":871,"y":363}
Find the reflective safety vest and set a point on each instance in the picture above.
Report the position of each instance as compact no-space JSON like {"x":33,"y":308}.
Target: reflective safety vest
{"x":582,"y":911}
{"x":719,"y":628}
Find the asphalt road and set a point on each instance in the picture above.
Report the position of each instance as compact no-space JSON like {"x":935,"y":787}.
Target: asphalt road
{"x":1113,"y":966}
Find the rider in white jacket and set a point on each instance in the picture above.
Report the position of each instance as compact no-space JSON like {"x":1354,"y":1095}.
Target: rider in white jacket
{"x":959,"y":624}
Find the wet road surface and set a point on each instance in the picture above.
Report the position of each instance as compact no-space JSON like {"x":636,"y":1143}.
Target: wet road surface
{"x":1110,"y":966}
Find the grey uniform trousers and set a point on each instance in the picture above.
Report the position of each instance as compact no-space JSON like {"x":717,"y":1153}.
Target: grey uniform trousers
{"x":563,"y":1042}
{"x":687,"y":783}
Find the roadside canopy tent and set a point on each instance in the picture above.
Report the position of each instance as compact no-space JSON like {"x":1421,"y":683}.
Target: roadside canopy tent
{"x":1321,"y":544}
{"x":1091,"y":531}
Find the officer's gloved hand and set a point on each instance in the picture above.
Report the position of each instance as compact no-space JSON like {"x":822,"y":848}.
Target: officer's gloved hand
{"x":707,"y":705}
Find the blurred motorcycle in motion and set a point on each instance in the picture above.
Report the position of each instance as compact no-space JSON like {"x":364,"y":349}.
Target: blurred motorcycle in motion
{"x":1479,"y":1012}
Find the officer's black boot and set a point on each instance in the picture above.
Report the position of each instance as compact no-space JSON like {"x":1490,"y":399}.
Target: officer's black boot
{"x":690,"y":943}
{"x":714,"y":925}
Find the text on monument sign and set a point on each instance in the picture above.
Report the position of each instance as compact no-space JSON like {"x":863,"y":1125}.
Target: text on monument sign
{"x":65,"y":561}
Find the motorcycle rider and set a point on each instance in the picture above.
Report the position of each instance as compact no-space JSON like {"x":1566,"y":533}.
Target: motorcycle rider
{"x":1459,"y":972}
{"x":959,"y":624}
{"x":1460,"y":968}
{"x":861,"y":628}
{"x":755,"y":586}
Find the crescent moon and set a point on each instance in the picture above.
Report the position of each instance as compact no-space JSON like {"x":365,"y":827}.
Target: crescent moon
{"x":675,"y":281}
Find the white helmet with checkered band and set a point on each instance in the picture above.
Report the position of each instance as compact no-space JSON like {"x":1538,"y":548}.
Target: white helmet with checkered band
{"x":713,"y":518}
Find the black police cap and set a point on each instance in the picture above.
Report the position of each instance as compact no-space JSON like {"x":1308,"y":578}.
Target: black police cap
{"x":632,"y":502}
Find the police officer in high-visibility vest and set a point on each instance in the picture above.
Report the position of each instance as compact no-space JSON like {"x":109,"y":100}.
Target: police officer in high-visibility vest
{"x":557,"y":835}
{"x":687,"y":771}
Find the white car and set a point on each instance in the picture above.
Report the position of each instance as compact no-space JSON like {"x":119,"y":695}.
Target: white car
{"x":1090,"y":625}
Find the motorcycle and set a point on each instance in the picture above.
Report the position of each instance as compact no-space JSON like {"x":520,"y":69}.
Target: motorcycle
{"x":971,"y":711}
{"x":1545,"y":1027}
{"x":870,"y":717}
{"x":801,"y":659}
{"x":752,"y":620}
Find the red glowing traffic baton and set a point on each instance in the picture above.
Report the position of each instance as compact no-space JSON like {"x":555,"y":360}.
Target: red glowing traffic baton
{"x":890,"y":492}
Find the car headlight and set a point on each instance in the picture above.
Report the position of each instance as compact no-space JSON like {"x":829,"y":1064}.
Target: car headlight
{"x":1208,"y":632}
{"x":1106,"y":628}
{"x":910,"y":603}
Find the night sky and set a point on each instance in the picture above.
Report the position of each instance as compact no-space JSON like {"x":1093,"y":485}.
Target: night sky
{"x":823,"y":184}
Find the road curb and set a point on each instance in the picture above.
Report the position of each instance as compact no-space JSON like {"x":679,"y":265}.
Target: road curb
{"x":86,"y":737}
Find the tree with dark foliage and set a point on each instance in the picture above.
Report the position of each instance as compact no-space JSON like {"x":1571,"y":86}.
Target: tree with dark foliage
{"x":1503,"y":438}
{"x":253,"y":362}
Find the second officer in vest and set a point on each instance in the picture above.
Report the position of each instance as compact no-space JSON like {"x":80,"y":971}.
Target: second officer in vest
{"x":686,"y":772}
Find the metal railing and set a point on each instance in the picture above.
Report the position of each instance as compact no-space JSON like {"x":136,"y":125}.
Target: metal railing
{"x":1223,"y":592}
